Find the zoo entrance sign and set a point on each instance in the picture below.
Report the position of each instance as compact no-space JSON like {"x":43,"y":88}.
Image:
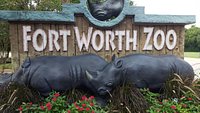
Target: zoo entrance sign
{"x":89,"y":27}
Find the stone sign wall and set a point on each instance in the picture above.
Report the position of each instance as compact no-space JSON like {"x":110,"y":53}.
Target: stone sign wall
{"x":74,"y":31}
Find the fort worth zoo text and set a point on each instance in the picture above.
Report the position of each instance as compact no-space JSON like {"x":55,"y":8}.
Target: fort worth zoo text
{"x":105,"y":39}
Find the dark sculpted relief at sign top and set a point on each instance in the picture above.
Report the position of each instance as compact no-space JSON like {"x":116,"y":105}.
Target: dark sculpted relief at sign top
{"x":106,"y":9}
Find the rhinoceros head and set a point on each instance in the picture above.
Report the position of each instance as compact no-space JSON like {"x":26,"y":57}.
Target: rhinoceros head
{"x":105,"y":9}
{"x":107,"y":78}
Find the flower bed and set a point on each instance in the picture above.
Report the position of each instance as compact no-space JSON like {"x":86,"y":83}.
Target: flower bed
{"x":176,"y":98}
{"x":56,"y":103}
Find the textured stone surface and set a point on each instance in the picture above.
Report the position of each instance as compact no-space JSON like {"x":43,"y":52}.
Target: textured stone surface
{"x":165,"y":19}
{"x":69,"y":11}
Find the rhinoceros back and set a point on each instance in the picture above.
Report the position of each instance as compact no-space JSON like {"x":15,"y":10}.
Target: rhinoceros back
{"x":154,"y":70}
{"x":59,"y":72}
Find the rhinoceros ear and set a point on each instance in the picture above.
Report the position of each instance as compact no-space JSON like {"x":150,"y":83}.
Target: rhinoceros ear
{"x":114,"y":57}
{"x":88,"y":75}
{"x":118,"y":63}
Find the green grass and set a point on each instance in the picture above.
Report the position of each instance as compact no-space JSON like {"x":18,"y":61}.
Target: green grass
{"x":6,"y":66}
{"x":192,"y":54}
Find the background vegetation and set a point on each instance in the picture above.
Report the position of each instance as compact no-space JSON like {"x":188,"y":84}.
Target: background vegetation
{"x":42,"y":5}
{"x":192,"y":39}
{"x":192,"y":54}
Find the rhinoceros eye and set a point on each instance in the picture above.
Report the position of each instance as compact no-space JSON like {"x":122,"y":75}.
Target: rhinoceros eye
{"x":110,"y":84}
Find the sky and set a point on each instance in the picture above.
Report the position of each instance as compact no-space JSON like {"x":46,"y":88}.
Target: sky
{"x":171,"y":7}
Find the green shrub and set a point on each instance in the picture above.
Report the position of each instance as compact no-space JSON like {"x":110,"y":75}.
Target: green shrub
{"x":56,"y":103}
{"x":176,"y":98}
{"x":185,"y":104}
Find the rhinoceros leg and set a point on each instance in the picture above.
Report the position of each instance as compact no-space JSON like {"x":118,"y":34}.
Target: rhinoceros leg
{"x":41,"y":85}
{"x":141,"y":84}
{"x":156,"y":87}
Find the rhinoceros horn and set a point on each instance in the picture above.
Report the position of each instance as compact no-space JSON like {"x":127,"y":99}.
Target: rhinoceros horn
{"x":89,"y":76}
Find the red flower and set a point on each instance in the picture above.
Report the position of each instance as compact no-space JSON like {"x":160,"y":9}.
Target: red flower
{"x":91,"y":97}
{"x":81,"y":109}
{"x":84,"y":98}
{"x":87,"y":109}
{"x":91,"y":104}
{"x":83,"y":105}
{"x":42,"y":107}
{"x":92,"y":112}
{"x":77,"y":107}
{"x":184,"y":105}
{"x":56,"y":94}
{"x":49,"y":106}
{"x":189,"y":99}
{"x":31,"y":103}
{"x":20,"y":108}
{"x":173,"y":107}
{"x":160,"y":103}
{"x":54,"y":99}
{"x":68,"y":111}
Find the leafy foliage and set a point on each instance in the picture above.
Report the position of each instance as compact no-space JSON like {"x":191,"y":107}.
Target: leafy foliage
{"x":192,"y":39}
{"x":49,"y":5}
{"x":41,"y":5}
{"x":57,"y":103}
{"x":124,"y":99}
{"x":177,"y":97}
{"x":15,"y":5}
{"x":185,"y":104}
{"x":4,"y":41}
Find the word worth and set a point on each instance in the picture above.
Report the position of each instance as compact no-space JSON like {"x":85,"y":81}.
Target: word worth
{"x":97,"y":39}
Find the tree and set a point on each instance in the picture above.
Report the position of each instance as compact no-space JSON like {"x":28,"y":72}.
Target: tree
{"x":49,"y":5}
{"x":15,"y":4}
{"x":41,"y":5}
{"x":192,"y":39}
{"x":4,"y":26}
{"x":4,"y":41}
